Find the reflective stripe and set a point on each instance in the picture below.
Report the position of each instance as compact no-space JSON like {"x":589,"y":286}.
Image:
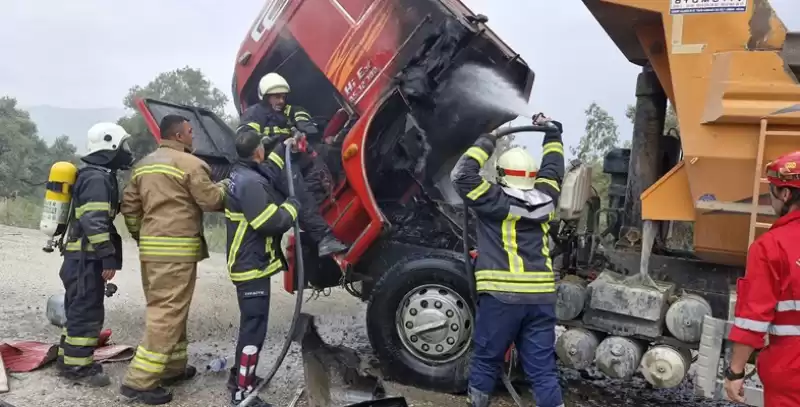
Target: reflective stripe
{"x":537,"y":213}
{"x":291,"y":209}
{"x":548,"y":182}
{"x":73,"y":361}
{"x":254,"y":126}
{"x":509,"y":232}
{"x":146,"y":365}
{"x":158,"y":169}
{"x":264,"y":216}
{"x":302,"y":116}
{"x":76,"y":247}
{"x":133,"y":223}
{"x":479,"y":190}
{"x":92,"y":206}
{"x":518,"y":288}
{"x":81,"y":341}
{"x":784,"y":330}
{"x":548,"y":261}
{"x":238,"y":236}
{"x":788,"y":305}
{"x":553,"y":147}
{"x":99,"y":238}
{"x":274,"y":157}
{"x":167,"y":246}
{"x":478,"y":155}
{"x":510,"y":277}
{"x":281,"y":130}
{"x":247,"y":275}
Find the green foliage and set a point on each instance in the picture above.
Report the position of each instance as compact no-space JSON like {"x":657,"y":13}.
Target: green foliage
{"x":185,"y":86}
{"x":670,"y":122}
{"x":601,"y":134}
{"x":25,"y":158}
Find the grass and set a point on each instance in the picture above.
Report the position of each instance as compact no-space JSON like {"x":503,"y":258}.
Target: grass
{"x":26,"y":212}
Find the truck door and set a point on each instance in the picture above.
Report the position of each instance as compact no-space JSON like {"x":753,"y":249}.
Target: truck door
{"x":213,"y":138}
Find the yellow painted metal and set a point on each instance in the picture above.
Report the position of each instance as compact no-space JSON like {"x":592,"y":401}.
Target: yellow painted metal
{"x":724,"y":74}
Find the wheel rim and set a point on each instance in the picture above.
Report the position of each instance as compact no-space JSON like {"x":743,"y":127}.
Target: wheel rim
{"x":434,"y":323}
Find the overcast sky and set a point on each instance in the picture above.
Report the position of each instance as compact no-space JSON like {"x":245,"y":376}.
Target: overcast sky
{"x":88,"y":53}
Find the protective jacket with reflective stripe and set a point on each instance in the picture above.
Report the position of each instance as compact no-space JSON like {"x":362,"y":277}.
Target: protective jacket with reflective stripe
{"x":95,"y":202}
{"x":768,"y":297}
{"x":513,"y":225}
{"x":164,"y":201}
{"x":275,"y":127}
{"x":256,"y":218}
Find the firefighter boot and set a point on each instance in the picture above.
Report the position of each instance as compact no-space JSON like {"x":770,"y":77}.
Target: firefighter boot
{"x":91,"y":375}
{"x":152,"y":397}
{"x":477,"y":398}
{"x":187,"y":374}
{"x":330,"y":245}
{"x":232,"y":386}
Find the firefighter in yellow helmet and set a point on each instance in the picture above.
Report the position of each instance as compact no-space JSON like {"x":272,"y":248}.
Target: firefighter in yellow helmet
{"x":93,"y":251}
{"x":273,"y":119}
{"x":163,"y":205}
{"x":513,"y":270}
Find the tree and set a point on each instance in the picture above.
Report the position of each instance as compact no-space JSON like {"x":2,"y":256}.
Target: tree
{"x":25,"y":158}
{"x":600,"y":135}
{"x":185,"y":86}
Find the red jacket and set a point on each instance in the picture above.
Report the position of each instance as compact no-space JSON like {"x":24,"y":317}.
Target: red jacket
{"x":769,"y":294}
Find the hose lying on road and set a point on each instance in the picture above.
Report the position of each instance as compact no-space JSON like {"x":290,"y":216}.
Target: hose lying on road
{"x":298,"y":301}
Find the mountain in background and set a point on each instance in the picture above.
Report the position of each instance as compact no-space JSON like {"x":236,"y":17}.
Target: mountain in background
{"x":53,"y":121}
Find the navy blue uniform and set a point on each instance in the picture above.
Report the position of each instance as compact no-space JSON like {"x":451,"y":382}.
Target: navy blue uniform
{"x":256,"y":218}
{"x":513,"y":271}
{"x":92,"y":245}
{"x":312,"y":177}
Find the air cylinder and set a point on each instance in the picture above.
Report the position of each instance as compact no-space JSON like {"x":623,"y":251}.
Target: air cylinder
{"x":685,"y":317}
{"x":576,"y":348}
{"x":571,"y":298}
{"x":619,"y":357}
{"x":665,"y":367}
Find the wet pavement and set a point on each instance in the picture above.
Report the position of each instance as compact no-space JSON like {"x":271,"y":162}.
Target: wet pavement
{"x":31,"y":276}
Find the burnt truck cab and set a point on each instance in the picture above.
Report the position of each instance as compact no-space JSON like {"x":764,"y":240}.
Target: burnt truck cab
{"x":374,"y":76}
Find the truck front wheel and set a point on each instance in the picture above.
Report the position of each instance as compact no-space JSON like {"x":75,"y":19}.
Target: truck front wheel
{"x":419,"y":321}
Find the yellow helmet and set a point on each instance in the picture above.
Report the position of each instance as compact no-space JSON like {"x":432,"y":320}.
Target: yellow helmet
{"x":516,"y":168}
{"x":271,"y":84}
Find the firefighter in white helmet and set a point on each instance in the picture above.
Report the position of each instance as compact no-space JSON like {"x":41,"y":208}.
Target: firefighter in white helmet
{"x":274,"y":119}
{"x":93,"y":251}
{"x":513,"y":270}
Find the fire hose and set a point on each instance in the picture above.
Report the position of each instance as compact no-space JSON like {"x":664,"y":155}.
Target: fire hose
{"x":465,"y":237}
{"x":300,"y":278}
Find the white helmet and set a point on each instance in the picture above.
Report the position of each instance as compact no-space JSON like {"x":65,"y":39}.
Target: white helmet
{"x":106,"y":136}
{"x":517,"y":169}
{"x":271,"y":84}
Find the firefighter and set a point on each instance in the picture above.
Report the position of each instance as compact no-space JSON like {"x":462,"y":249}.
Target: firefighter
{"x":257,"y":215}
{"x":163,"y":206}
{"x":93,"y":251}
{"x":273,"y":119}
{"x":513,"y":271}
{"x":768,"y":297}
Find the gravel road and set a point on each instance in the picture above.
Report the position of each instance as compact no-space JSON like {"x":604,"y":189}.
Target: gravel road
{"x":30,"y":276}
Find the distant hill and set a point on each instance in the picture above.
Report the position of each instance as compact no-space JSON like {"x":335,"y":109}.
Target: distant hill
{"x":53,"y":121}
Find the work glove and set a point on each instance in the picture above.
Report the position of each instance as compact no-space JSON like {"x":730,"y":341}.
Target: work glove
{"x":540,"y":119}
{"x":270,"y":142}
{"x":294,"y":202}
{"x":225,"y":183}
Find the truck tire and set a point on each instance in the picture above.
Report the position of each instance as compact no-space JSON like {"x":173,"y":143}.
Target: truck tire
{"x":429,"y":291}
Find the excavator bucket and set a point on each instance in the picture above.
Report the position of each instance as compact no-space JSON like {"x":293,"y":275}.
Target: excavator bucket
{"x":337,"y":376}
{"x":713,"y":355}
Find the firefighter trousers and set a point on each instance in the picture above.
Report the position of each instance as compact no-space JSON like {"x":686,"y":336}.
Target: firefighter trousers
{"x":83,"y":304}
{"x":531,"y":327}
{"x":310,"y":193}
{"x":253,"y":297}
{"x":168,"y":290}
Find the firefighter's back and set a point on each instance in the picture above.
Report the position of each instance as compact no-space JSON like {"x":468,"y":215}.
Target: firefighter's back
{"x":171,"y":215}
